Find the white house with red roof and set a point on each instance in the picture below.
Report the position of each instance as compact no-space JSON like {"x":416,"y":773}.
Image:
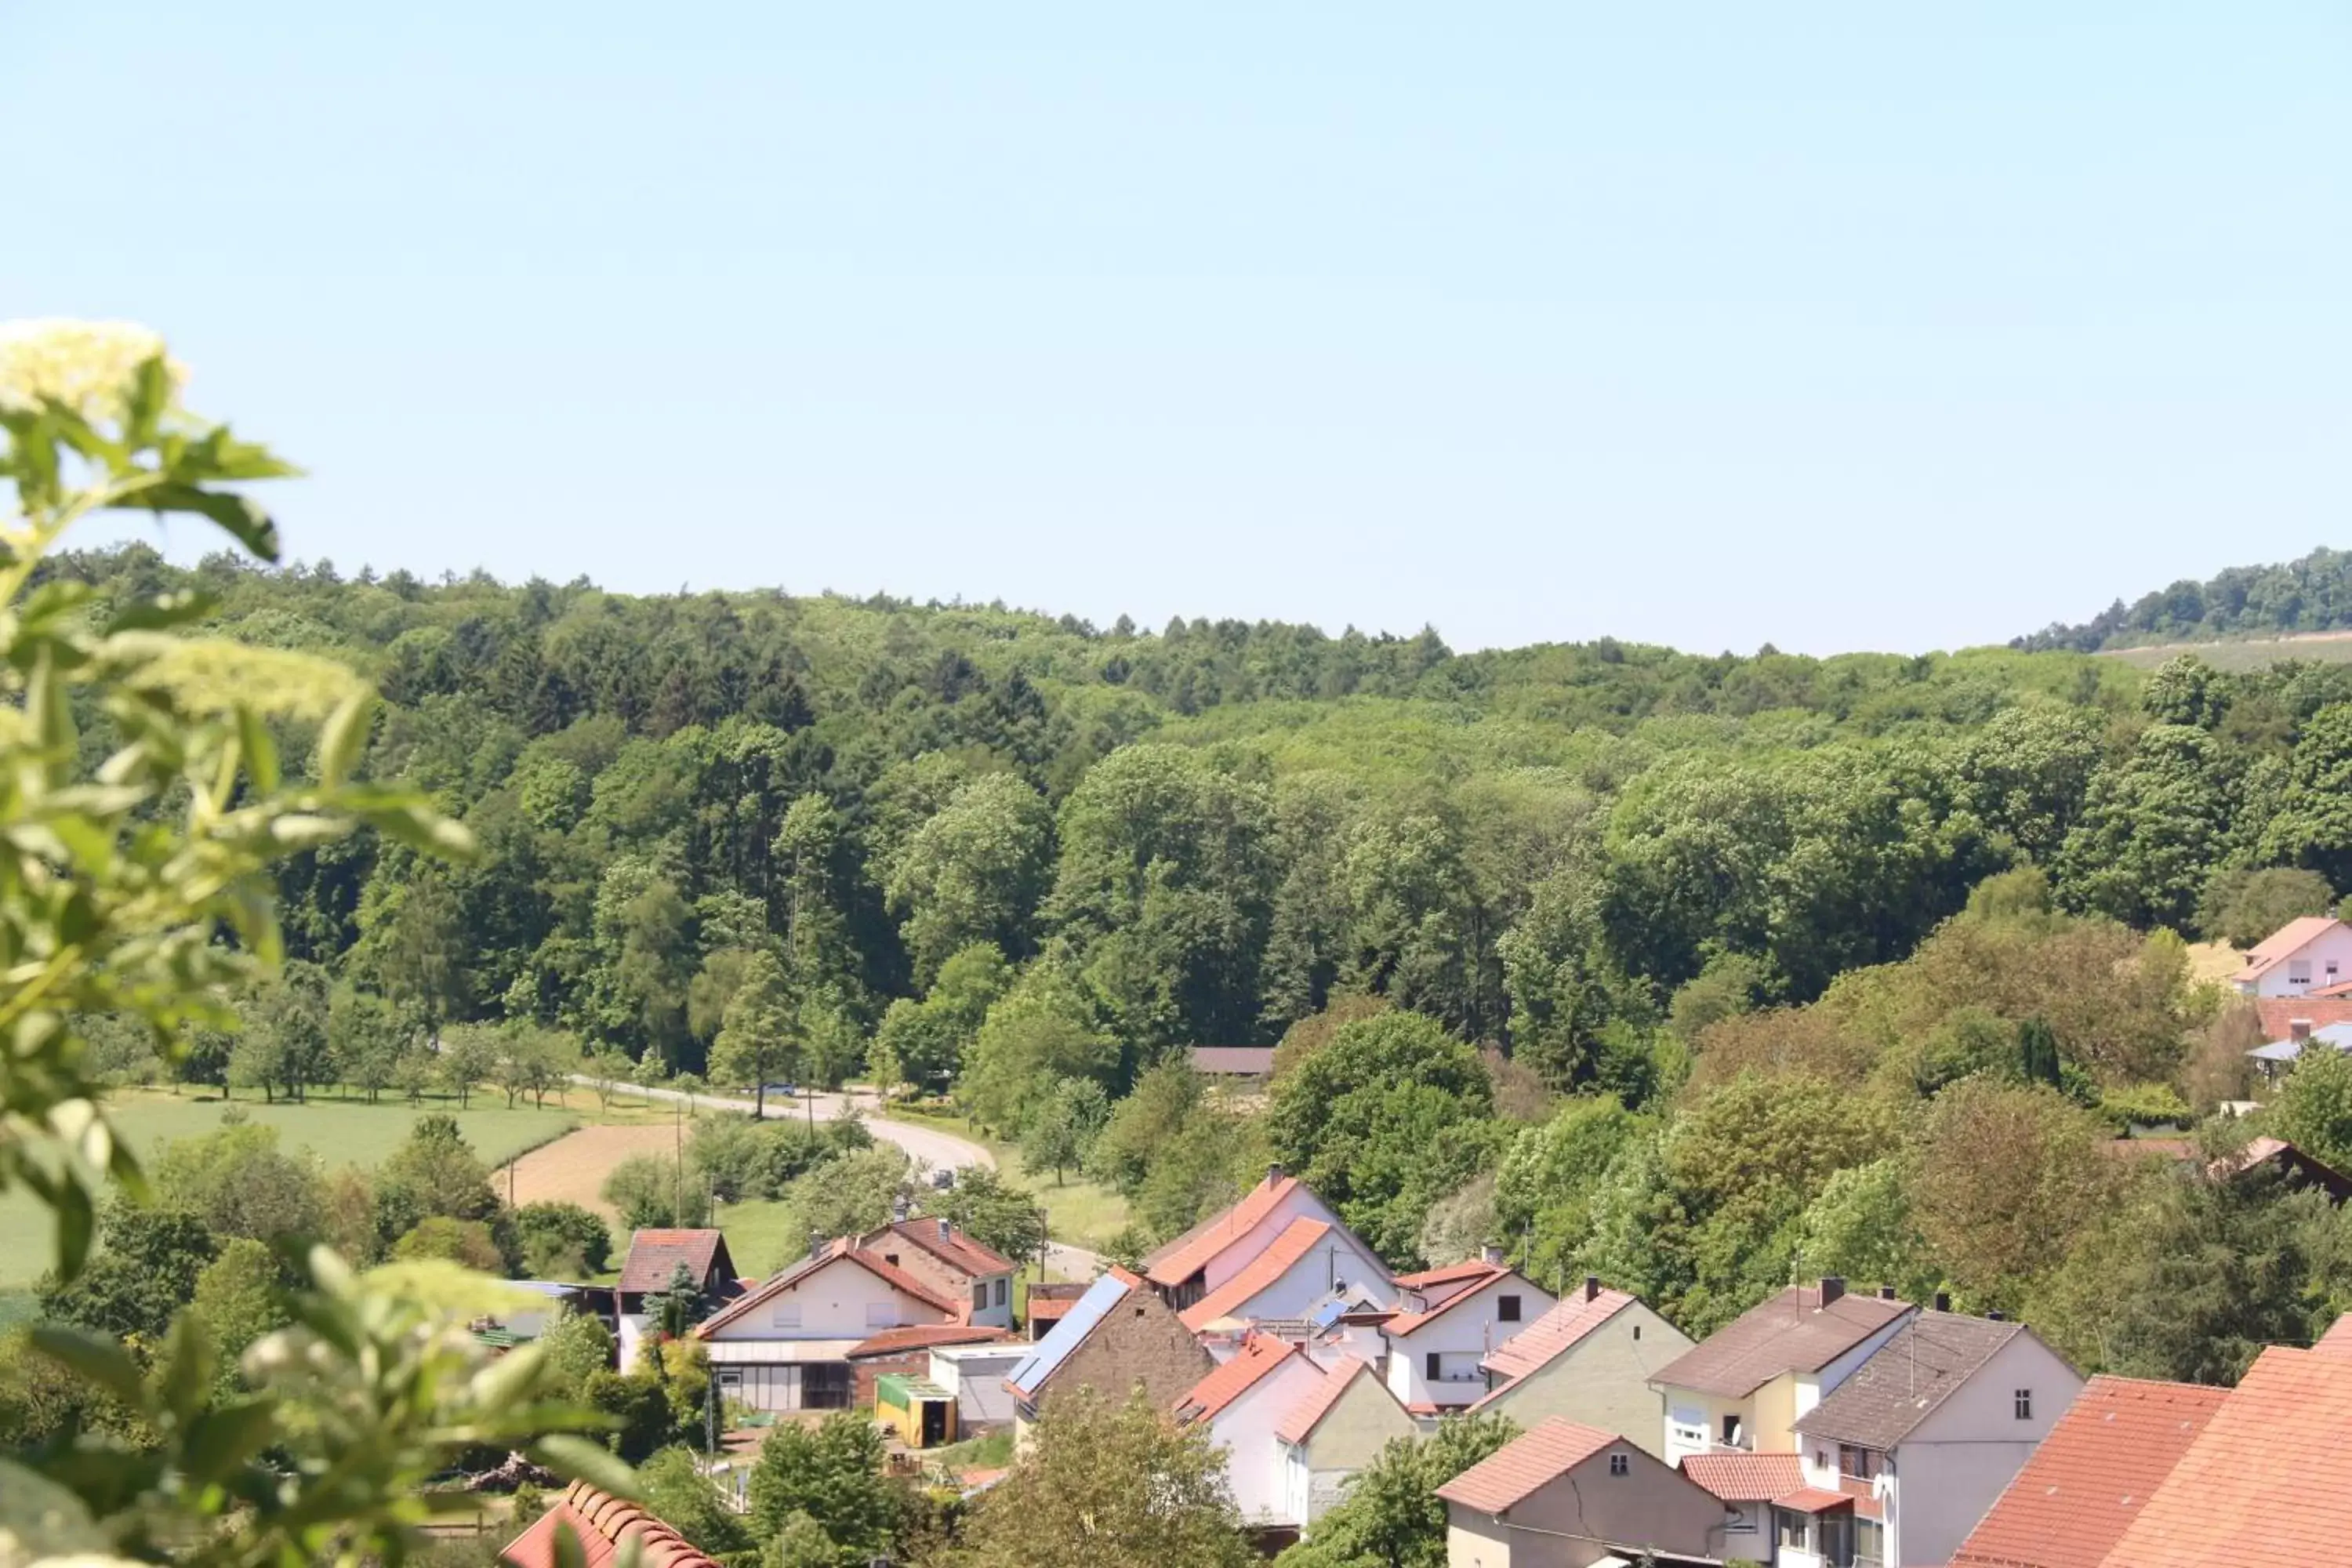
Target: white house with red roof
{"x":1565,"y":1496}
{"x":1212,"y":1255}
{"x":2302,"y":956}
{"x":1310,"y":1263}
{"x":787,"y":1343}
{"x":1449,"y":1321}
{"x":951,"y":1261}
{"x":1588,"y":1359}
{"x":1336,"y":1428}
{"x":1244,"y":1402}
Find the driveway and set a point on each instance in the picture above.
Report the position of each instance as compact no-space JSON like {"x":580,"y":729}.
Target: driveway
{"x":933,"y":1148}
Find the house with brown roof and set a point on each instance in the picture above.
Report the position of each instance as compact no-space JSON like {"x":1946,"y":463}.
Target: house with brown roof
{"x":1449,"y":1320}
{"x":1310,"y":1264}
{"x":2092,"y":1475}
{"x":1118,"y":1336}
{"x":951,"y":1261}
{"x":653,"y":1264}
{"x":604,"y":1528}
{"x":1588,"y":1359}
{"x":2269,"y":1479}
{"x":787,"y":1343}
{"x":1565,"y":1496}
{"x":1242,"y":1402}
{"x":1333,"y":1430}
{"x":2312,"y":954}
{"x":1744,"y":1385}
{"x":1924,"y":1436}
{"x":1214,"y":1252}
{"x":1239,"y":1063}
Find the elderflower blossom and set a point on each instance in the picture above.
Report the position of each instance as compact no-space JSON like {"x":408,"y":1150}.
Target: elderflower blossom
{"x":83,"y":364}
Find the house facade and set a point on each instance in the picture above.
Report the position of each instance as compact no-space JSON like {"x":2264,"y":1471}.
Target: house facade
{"x":1926,"y":1435}
{"x":1214,"y":1252}
{"x":1310,"y":1263}
{"x":1451,"y":1321}
{"x":1745,"y":1386}
{"x":788,"y":1345}
{"x":1118,"y":1336}
{"x":952,"y":1263}
{"x":2302,"y":956}
{"x":653,"y":1259}
{"x":1333,"y":1431}
{"x":1588,"y":1359}
{"x":1565,"y":1496}
{"x":1241,"y":1403}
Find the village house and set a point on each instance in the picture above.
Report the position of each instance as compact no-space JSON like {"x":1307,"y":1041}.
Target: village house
{"x":652,"y":1264}
{"x":1118,"y":1336}
{"x":1336,"y":1428}
{"x":975,"y":1374}
{"x":1924,"y":1436}
{"x":951,"y":1262}
{"x":1312,"y":1263}
{"x":1449,"y":1320}
{"x":1244,"y":1066}
{"x":2092,"y":1475}
{"x":787,"y":1343}
{"x":1214,"y":1252}
{"x":2304,"y":955}
{"x":1243,"y":1402}
{"x":1747,"y":1384}
{"x":1588,"y":1359}
{"x":906,"y":1352}
{"x":1764,"y":1500}
{"x":1565,"y":1496}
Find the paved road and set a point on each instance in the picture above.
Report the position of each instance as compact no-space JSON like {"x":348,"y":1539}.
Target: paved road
{"x":932,"y":1147}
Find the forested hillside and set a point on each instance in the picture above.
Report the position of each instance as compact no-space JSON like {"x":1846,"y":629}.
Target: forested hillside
{"x":2310,"y":595}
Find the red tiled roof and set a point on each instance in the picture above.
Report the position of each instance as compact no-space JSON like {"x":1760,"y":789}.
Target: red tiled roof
{"x":2341,"y":988}
{"x":1240,"y":1061}
{"x":2092,"y":1474}
{"x":1405,"y":1324}
{"x":838,"y":1250}
{"x":1747,"y":1478}
{"x":1526,"y":1463}
{"x":1259,"y":1356}
{"x":1552,"y":1335}
{"x":655,"y":1254}
{"x":2279,"y":1014}
{"x":603,"y":1524}
{"x":922,"y":1336}
{"x":2265,"y":1481}
{"x":1812,"y":1499}
{"x":956,"y":1249}
{"x":2337,"y":1339}
{"x":1298,"y":1239}
{"x":1468,"y":1268}
{"x":1191,"y":1252}
{"x":1047,"y":1308}
{"x":1306,"y":1415}
{"x":2289,"y":939}
{"x":1791,"y":1333}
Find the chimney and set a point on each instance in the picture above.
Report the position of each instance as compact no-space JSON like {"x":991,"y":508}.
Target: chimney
{"x":1491,"y":1256}
{"x":1832,"y":1288}
{"x":1996,"y":1317}
{"x":947,"y":1230}
{"x":2298,"y":1030}
{"x":898,"y":1209}
{"x":1943,"y":1300}
{"x":1273,"y":1173}
{"x":1886,"y":1292}
{"x":816,"y":1243}
{"x":1592,"y":1287}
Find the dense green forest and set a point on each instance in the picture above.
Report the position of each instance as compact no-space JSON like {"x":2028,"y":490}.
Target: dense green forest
{"x":1694,"y":970}
{"x":2310,"y":595}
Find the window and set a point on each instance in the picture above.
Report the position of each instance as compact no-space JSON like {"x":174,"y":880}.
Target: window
{"x":1618,"y":1465}
{"x":979,"y":1294}
{"x":1837,"y":1539}
{"x":1637,"y":1331}
{"x":1869,"y":1543}
{"x":2023,"y":1399}
{"x":1731,"y":1431}
{"x":1687,"y":1429}
{"x":881,"y":1314}
{"x":1507,"y":1309}
{"x":891,"y":1258}
{"x":1796,"y":1531}
{"x":1428,"y":1366}
{"x":787,"y":1315}
{"x":1002,"y":1287}
{"x":824,"y":1385}
{"x":1862,"y":1464}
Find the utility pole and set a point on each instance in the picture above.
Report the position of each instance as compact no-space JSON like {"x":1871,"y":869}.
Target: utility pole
{"x":678,"y":1155}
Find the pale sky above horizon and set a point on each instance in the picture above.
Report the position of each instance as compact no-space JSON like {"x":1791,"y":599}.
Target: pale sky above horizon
{"x":1836,"y":326}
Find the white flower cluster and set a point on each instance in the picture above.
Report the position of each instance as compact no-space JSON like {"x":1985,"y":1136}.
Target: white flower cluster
{"x":83,"y":364}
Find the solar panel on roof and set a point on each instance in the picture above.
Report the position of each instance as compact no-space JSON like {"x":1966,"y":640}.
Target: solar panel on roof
{"x":1328,"y":1313}
{"x":1076,"y":1325}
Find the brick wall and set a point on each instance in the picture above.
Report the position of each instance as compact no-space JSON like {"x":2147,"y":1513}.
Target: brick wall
{"x":1140,"y":1342}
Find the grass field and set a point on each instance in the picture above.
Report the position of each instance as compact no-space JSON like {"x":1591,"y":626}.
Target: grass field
{"x":1082,"y":1213}
{"x":339,"y":1132}
{"x":2253,"y":653}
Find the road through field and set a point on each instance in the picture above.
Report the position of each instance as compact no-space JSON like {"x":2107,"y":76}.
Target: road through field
{"x":933,"y":1148}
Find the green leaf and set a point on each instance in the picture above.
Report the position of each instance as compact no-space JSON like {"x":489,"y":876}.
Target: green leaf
{"x":102,"y":1362}
{"x":149,"y":398}
{"x":260,"y":749}
{"x":346,"y":737}
{"x":187,"y":1368}
{"x":162,"y":612}
{"x":246,"y":522}
{"x":582,"y":1461}
{"x":221,"y":1439}
{"x":77,"y":1227}
{"x":568,"y":1551}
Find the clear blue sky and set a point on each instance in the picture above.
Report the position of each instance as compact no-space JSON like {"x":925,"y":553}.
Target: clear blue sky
{"x":1858,"y":326}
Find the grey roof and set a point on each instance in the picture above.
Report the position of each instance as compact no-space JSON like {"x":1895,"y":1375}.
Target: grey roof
{"x":2337,"y":1034}
{"x":1907,"y":1378}
{"x":1068,"y":1334}
{"x":1791,"y":1333}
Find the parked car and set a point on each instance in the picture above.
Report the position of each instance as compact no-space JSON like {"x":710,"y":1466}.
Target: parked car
{"x":943,"y":1178}
{"x":785,"y":1090}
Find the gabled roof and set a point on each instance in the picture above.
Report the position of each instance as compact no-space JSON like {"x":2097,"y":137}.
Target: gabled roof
{"x":841,"y":1249}
{"x":957,"y":1249}
{"x":1299,"y":1423}
{"x":603,"y":1524}
{"x":2091,"y":1476}
{"x":1236,"y":1061}
{"x":1922,"y":1364}
{"x":1190,"y":1253}
{"x":655,"y":1254}
{"x":1791,"y":1333}
{"x":1747,"y":1478}
{"x":2265,"y":1481}
{"x":1469,"y":1268}
{"x":1405,"y":1324}
{"x":2284,"y":943}
{"x":1084,"y":1316}
{"x":1298,"y":1238}
{"x":2337,"y":1339}
{"x":1260,"y":1357}
{"x":1554,"y":1334}
{"x":924,"y":1336}
{"x":1526,"y":1464}
{"x":2280,"y":1014}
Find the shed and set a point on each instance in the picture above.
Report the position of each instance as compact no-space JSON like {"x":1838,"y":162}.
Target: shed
{"x":922,"y":1412}
{"x":975,"y":1374}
